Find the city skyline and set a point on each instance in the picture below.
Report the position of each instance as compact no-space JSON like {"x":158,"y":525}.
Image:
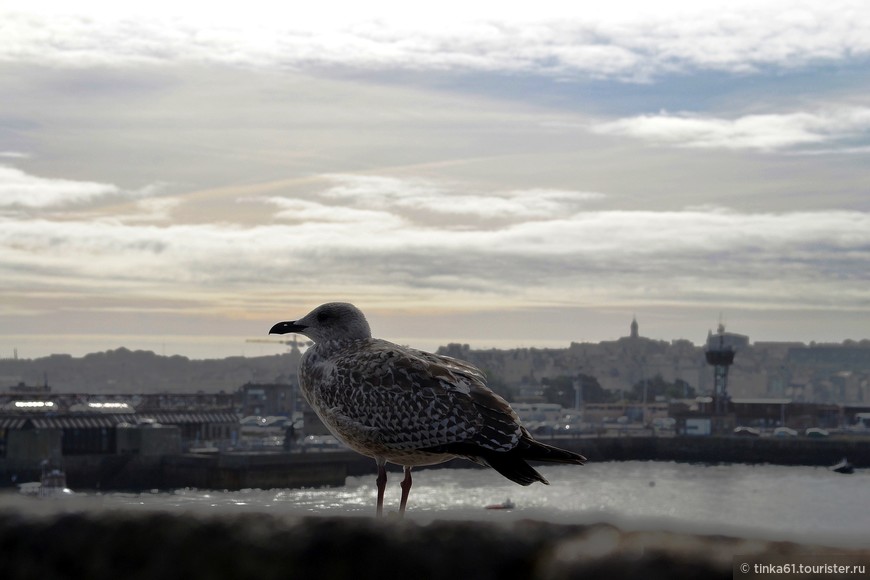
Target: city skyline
{"x":178,"y":177}
{"x":219,"y":347}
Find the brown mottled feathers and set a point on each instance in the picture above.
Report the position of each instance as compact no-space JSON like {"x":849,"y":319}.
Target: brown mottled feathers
{"x":407,"y":399}
{"x":414,"y":408}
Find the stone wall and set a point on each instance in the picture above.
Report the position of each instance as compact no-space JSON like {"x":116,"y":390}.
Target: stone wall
{"x":138,"y":545}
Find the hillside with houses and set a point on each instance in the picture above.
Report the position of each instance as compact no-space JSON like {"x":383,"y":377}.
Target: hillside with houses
{"x":610,"y":370}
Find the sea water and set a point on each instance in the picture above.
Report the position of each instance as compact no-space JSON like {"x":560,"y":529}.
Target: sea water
{"x":806,"y":504}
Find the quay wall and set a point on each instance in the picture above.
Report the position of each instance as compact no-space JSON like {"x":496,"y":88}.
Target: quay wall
{"x":773,"y":450}
{"x":249,"y":470}
{"x":228,"y":471}
{"x":711,"y":449}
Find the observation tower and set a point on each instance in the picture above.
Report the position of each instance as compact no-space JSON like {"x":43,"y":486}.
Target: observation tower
{"x":720,"y":355}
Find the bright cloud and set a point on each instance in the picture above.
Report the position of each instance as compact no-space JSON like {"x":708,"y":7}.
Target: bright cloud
{"x":306,"y":211}
{"x":18,"y":189}
{"x":625,"y":40}
{"x":763,"y":132}
{"x":426,"y":199}
{"x":22,"y":190}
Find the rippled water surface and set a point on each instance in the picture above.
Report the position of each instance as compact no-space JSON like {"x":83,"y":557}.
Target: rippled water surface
{"x":802,"y":503}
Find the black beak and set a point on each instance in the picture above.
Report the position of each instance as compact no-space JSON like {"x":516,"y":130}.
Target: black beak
{"x":286,"y":327}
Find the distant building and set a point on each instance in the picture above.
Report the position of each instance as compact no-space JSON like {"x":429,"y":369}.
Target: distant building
{"x":724,"y":339}
{"x":634,"y":333}
{"x":267,"y":399}
{"x":831,"y":357}
{"x":39,"y":426}
{"x":761,"y":413}
{"x":22,"y":388}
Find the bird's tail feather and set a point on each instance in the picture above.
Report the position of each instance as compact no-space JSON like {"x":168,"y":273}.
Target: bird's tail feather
{"x":537,"y":451}
{"x":513,"y":464}
{"x":513,"y":468}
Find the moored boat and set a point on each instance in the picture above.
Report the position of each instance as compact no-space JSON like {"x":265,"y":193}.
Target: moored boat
{"x":505,"y":505}
{"x":843,"y":467}
{"x":52,"y":483}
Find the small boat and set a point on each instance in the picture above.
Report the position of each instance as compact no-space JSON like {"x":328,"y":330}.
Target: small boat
{"x":843,"y":467}
{"x":505,"y":505}
{"x":52,"y":483}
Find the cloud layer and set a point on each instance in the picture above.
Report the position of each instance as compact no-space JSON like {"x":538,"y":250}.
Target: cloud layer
{"x":621,"y":40}
{"x":552,"y":248}
{"x":680,"y":156}
{"x":762,"y":132}
{"x":19,"y":189}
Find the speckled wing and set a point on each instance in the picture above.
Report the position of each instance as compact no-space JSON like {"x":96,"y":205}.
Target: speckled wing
{"x":400,"y":399}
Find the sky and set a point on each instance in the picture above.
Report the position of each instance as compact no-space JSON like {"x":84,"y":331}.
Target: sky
{"x":179,"y":176}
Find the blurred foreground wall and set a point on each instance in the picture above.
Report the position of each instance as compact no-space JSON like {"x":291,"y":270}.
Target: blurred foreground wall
{"x":162,"y":546}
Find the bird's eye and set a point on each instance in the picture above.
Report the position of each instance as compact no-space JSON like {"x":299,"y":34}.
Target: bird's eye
{"x":322,"y":317}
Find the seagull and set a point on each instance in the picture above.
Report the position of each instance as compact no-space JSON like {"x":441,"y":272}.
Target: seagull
{"x":409,"y":407}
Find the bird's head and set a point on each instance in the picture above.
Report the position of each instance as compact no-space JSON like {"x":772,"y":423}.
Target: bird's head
{"x":331,"y":321}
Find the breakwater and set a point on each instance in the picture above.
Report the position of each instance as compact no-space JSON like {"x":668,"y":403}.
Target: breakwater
{"x":234,"y":471}
{"x":230,"y":471}
{"x":773,"y":450}
{"x":712,"y":450}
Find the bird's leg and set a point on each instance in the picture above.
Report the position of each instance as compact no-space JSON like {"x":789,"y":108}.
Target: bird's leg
{"x":406,"y":488}
{"x":382,"y":484}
